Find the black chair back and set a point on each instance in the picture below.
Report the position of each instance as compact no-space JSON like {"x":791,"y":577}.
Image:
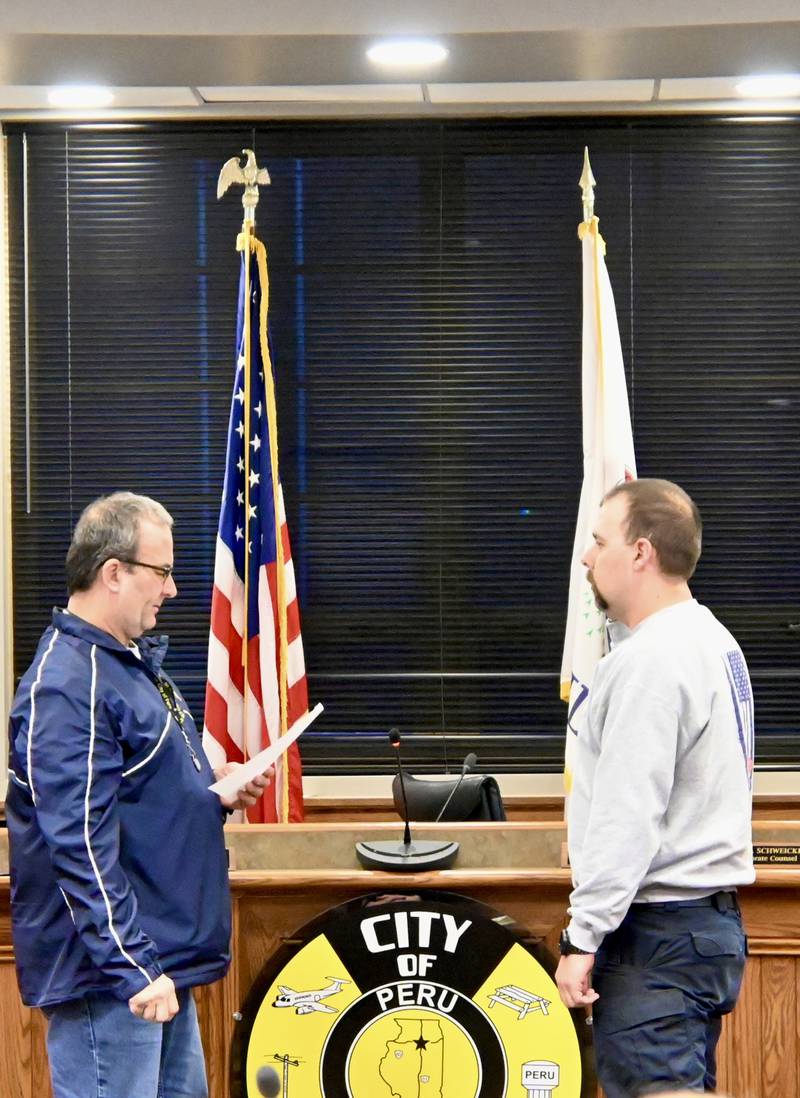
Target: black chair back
{"x":477,"y":798}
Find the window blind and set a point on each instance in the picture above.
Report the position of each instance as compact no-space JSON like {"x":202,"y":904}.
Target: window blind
{"x":426,"y":317}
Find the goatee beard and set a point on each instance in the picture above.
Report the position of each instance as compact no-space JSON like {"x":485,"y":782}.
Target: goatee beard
{"x":600,"y":602}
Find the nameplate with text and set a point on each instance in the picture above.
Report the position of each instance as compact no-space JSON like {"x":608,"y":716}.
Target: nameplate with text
{"x":776,"y":854}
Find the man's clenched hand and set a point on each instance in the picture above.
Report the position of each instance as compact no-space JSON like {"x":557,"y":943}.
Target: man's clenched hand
{"x":157,"y":1002}
{"x":573,"y":977}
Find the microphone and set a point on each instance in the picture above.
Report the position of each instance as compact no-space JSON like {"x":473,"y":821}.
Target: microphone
{"x":268,"y":1081}
{"x":394,"y":740}
{"x":469,"y":763}
{"x":408,"y":856}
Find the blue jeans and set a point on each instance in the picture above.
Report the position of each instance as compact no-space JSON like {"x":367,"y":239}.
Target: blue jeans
{"x":98,"y":1049}
{"x":665,"y":978}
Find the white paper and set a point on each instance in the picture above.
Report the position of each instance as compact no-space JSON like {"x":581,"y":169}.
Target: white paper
{"x":230,"y":785}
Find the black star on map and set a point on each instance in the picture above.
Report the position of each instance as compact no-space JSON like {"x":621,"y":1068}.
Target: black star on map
{"x":421,"y":1042}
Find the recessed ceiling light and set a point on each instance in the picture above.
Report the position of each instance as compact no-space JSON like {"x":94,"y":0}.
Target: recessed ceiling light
{"x":772,"y":86}
{"x":409,"y":53}
{"x":80,"y":95}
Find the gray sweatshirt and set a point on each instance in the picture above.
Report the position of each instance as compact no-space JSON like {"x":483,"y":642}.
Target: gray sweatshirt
{"x":661,"y":800}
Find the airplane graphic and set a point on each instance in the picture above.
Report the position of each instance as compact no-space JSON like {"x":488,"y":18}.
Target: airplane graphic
{"x":306,"y":1002}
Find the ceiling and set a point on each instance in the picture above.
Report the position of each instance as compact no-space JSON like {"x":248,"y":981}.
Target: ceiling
{"x":285,"y":58}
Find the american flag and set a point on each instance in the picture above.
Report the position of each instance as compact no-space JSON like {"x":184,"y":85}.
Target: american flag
{"x":255,"y":693}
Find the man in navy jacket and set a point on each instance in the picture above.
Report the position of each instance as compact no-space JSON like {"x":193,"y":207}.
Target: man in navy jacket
{"x":119,"y":884}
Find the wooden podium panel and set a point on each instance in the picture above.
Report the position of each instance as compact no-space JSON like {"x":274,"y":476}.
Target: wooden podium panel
{"x":285,"y":876}
{"x":270,"y":908}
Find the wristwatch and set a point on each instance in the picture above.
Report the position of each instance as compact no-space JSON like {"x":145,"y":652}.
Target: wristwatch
{"x":566,"y":947}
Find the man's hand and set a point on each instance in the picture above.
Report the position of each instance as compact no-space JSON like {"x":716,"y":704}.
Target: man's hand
{"x":157,"y":1002}
{"x":248,"y":794}
{"x":573,"y":977}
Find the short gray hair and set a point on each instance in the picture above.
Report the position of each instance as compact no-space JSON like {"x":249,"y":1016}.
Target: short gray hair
{"x":108,"y":527}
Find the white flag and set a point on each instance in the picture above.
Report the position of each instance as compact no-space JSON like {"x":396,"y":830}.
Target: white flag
{"x":608,"y":459}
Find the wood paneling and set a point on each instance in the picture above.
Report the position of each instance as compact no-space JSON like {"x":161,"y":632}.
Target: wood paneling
{"x":766,"y":806}
{"x":15,"y":1044}
{"x":759,"y":1054}
{"x":739,"y":1067}
{"x":778,"y":1026}
{"x":216,"y":1006}
{"x":40,"y":1069}
{"x":379,"y":809}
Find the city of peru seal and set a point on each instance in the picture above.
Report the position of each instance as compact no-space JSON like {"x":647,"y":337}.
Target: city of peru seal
{"x":418,"y":997}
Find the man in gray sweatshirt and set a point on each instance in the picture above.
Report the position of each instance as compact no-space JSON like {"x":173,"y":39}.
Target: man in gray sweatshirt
{"x":660,"y":808}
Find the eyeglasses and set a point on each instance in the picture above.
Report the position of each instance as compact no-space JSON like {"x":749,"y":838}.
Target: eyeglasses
{"x":163,"y":570}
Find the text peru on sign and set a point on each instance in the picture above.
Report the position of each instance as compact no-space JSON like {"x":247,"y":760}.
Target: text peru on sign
{"x":419,"y":997}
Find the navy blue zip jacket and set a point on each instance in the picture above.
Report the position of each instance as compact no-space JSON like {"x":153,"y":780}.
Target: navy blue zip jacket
{"x":118,"y":868}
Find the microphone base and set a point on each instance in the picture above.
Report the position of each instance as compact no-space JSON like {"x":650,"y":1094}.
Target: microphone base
{"x":413,"y":857}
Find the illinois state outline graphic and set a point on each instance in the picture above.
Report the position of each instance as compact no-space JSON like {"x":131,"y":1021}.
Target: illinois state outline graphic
{"x":414,"y":1062}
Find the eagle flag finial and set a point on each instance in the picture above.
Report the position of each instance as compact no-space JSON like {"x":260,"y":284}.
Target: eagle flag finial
{"x":249,"y":175}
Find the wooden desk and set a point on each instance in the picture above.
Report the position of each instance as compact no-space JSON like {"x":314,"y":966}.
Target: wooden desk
{"x":287,"y":875}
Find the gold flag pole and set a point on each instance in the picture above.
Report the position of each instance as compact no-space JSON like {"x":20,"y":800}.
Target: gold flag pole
{"x":591,"y":225}
{"x":251,"y":176}
{"x":280,"y":560}
{"x":587,"y":185}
